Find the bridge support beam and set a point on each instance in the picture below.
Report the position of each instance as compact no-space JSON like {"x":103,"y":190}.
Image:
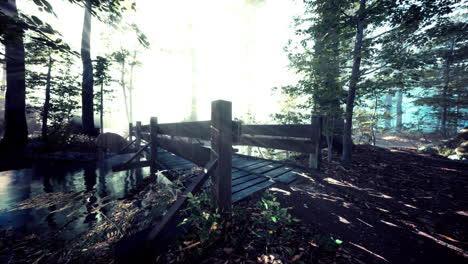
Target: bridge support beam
{"x":315,"y":157}
{"x":154,"y":145}
{"x":221,"y":149}
{"x":138,"y":137}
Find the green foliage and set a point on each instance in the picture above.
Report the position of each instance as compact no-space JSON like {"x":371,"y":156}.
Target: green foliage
{"x":204,"y":218}
{"x":65,"y":85}
{"x":271,"y":220}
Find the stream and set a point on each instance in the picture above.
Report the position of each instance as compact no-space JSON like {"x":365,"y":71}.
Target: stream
{"x":49,"y":177}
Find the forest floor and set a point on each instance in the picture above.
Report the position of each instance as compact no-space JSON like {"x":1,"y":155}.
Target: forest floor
{"x":388,"y":206}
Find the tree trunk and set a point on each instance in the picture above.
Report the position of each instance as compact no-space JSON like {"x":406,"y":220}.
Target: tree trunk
{"x":122,"y":83}
{"x":130,"y":88}
{"x":445,"y":92}
{"x":16,"y":128}
{"x":87,"y":95}
{"x":388,"y":111}
{"x":45,"y":113}
{"x":101,"y":116}
{"x":193,"y":110}
{"x":4,"y":74}
{"x":348,"y":126}
{"x":399,"y":111}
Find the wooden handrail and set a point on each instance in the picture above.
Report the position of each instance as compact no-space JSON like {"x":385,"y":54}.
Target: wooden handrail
{"x":193,"y":189}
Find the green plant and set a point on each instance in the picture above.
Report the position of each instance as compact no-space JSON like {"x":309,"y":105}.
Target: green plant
{"x":269,"y":223}
{"x":203,"y":217}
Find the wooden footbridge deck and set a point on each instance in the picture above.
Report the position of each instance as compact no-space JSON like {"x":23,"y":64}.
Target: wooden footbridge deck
{"x":209,"y":145}
{"x":248,"y":174}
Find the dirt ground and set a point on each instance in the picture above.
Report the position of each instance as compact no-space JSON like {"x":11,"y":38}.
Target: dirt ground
{"x":388,"y":206}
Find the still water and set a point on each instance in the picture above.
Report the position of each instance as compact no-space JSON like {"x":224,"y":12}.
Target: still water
{"x":48,"y":177}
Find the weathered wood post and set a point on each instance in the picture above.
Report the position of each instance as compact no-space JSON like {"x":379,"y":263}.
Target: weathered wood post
{"x":315,"y":156}
{"x":221,"y":149}
{"x":154,"y":145}
{"x":130,"y":132}
{"x":138,"y":136}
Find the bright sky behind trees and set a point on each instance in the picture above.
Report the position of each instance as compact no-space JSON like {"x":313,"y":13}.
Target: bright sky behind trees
{"x":238,"y":47}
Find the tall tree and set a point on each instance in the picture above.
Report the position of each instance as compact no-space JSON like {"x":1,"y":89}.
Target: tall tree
{"x":102,"y":79}
{"x":87,"y":94}
{"x":45,"y":113}
{"x":399,"y":110}
{"x":16,"y":130}
{"x":445,"y":56}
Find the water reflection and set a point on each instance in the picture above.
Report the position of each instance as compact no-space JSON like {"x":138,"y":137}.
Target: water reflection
{"x":97,"y":180}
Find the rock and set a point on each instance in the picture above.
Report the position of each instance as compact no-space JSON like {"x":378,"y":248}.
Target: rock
{"x":454,"y":157}
{"x":462,"y":150}
{"x":111,"y":142}
{"x":428,"y":149}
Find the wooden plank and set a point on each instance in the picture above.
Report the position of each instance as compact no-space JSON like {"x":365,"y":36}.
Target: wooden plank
{"x":249,"y":191}
{"x":287,"y":177}
{"x":248,"y":184}
{"x":138,"y":137}
{"x":276,"y":172}
{"x":199,"y":129}
{"x":153,"y":138}
{"x":146,"y":137}
{"x":179,"y":162}
{"x":182,"y":167}
{"x":315,"y":156}
{"x":269,"y":167}
{"x":304,"y":146}
{"x":129,"y":166}
{"x":300,"y":131}
{"x":256,"y":166}
{"x":221,"y":146}
{"x":189,"y":151}
{"x":239,"y":174}
{"x":130,"y":132}
{"x":193,"y":189}
{"x":246,"y":162}
{"x":146,"y":128}
{"x":127,"y":146}
{"x":244,"y":179}
{"x":137,"y":154}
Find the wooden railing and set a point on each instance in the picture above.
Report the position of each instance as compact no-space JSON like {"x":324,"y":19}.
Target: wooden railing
{"x":221,"y":133}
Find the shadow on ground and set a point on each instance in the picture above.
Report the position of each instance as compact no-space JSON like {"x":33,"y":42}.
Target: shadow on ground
{"x":389,"y":206}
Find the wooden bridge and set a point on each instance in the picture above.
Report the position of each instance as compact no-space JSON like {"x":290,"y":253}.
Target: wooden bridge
{"x":210,"y":145}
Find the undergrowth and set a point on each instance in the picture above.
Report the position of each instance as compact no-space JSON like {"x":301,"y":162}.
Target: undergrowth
{"x":260,"y":231}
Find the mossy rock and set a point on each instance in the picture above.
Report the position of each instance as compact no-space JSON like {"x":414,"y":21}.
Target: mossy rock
{"x":110,"y":142}
{"x":462,"y":150}
{"x":428,"y":149}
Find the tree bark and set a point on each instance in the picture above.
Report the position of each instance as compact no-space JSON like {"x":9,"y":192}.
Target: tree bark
{"x":348,"y":126}
{"x":88,"y":82}
{"x":388,"y":111}
{"x":101,"y":116}
{"x":399,"y":111}
{"x":445,"y":93}
{"x":122,"y":83}
{"x":16,"y":128}
{"x":4,"y":74}
{"x":45,"y":112}
{"x":130,"y":88}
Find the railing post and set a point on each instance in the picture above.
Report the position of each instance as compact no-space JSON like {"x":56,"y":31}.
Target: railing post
{"x":315,"y":156}
{"x":154,"y":145}
{"x":130,"y":132}
{"x":138,"y":136}
{"x":221,"y":149}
